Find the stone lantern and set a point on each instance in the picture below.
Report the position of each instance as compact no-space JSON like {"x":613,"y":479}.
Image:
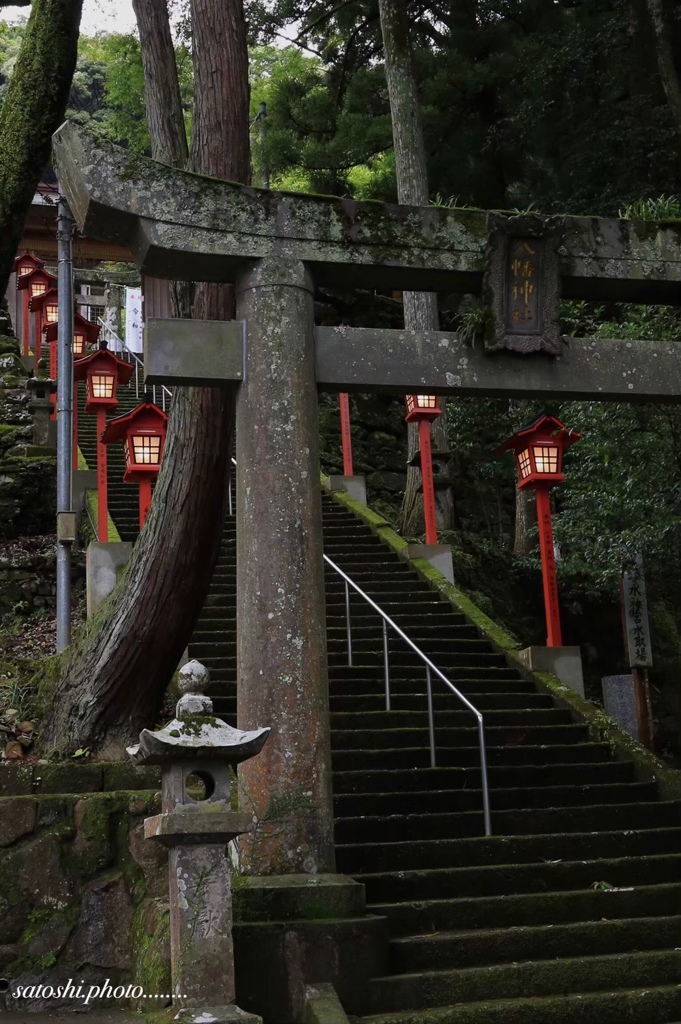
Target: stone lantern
{"x":40,"y":404}
{"x":195,"y":752}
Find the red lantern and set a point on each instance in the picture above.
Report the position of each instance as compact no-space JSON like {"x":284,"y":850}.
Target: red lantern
{"x":101,"y":371}
{"x":539,"y":452}
{"x":423,"y":409}
{"x":143,"y":432}
{"x":33,"y":283}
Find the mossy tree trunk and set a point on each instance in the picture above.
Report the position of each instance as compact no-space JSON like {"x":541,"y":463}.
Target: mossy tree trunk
{"x":33,"y":109}
{"x":110,"y":684}
{"x":420,"y":308}
{"x":666,"y":26}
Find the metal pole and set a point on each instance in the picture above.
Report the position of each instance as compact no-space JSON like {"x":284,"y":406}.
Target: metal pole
{"x":431,"y":718}
{"x":65,"y":529}
{"x":485,"y":782}
{"x":386,"y":665}
{"x":348,"y":623}
{"x":262,"y":125}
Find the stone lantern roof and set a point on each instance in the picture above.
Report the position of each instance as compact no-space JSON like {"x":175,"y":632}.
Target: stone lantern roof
{"x":195,"y":732}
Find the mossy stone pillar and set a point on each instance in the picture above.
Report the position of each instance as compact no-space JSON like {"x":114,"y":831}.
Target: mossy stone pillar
{"x":282,"y":674}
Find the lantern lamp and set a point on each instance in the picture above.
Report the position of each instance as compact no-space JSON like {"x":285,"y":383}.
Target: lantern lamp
{"x":539,"y":452}
{"x":27,"y":262}
{"x":34,"y":283}
{"x":85,"y":333}
{"x":143,"y":433}
{"x":102,"y":371}
{"x":422,"y":407}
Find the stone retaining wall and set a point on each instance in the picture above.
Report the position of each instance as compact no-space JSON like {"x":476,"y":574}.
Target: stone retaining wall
{"x":82,"y":895}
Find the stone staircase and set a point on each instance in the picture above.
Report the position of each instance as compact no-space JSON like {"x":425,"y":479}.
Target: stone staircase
{"x":520,"y":927}
{"x":571,"y":912}
{"x":123,"y":498}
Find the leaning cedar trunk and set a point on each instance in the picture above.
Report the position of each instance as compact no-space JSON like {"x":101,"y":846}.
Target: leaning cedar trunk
{"x":525,"y":541}
{"x":111,"y":683}
{"x":420,"y":308}
{"x":666,"y":41}
{"x":32,"y":112}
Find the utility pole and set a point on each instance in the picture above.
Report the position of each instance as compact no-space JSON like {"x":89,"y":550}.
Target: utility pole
{"x":66,"y":519}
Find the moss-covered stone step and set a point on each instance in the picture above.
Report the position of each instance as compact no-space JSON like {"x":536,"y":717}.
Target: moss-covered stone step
{"x":475,"y":680}
{"x":389,"y":828}
{"x":406,"y":781}
{"x":442,"y":702}
{"x":459,"y":655}
{"x":401,"y":675}
{"x":392,"y":601}
{"x":419,"y":757}
{"x":430,"y":628}
{"x":505,"y":879}
{"x":362,"y":858}
{"x":648,"y":1005}
{"x":488,"y":946}
{"x":449,"y":715}
{"x":495,"y":735}
{"x":529,"y":908}
{"x":470,"y":798}
{"x":514,"y":980}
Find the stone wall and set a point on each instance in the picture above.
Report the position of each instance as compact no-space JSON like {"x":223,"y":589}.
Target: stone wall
{"x":82,"y":895}
{"x":28,"y":473}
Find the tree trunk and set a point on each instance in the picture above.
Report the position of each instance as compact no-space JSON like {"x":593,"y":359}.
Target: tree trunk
{"x":162,"y":99}
{"x":32,"y":111}
{"x":420,"y":308}
{"x":111,"y":683}
{"x":666,"y":44}
{"x":525,"y":520}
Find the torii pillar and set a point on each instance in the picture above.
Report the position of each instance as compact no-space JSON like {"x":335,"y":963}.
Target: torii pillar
{"x":281,"y":614}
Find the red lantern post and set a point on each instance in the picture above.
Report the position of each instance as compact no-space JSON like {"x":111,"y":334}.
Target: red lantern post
{"x":85,"y":333}
{"x":346,"y":436}
{"x":143,"y":432}
{"x":539,"y":452}
{"x":102,"y":371}
{"x":24,"y":265}
{"x":423,"y":409}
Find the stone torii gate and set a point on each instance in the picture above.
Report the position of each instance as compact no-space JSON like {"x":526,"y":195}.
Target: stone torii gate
{"x":276,"y":248}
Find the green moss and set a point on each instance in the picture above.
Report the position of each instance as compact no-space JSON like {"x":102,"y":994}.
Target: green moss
{"x":150,"y":943}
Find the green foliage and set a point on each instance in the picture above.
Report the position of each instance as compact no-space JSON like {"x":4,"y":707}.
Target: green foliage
{"x":662,"y":208}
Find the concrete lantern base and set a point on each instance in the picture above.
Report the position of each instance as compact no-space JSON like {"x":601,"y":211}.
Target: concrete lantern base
{"x":355,"y":486}
{"x":103,"y":562}
{"x":563,"y":662}
{"x":301,"y":930}
{"x":439,"y":556}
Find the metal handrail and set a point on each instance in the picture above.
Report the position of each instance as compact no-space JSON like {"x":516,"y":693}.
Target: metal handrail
{"x":430,"y":667}
{"x":138,"y":363}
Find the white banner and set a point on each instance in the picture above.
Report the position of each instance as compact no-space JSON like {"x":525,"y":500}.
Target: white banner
{"x":134,"y":321}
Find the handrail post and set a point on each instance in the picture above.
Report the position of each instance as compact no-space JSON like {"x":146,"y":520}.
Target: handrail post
{"x":483,"y":775}
{"x":386,"y":665}
{"x":431,"y":718}
{"x":430,"y":667}
{"x":348,"y":622}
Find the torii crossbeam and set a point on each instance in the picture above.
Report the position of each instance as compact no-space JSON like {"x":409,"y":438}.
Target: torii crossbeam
{"x":276,"y":248}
